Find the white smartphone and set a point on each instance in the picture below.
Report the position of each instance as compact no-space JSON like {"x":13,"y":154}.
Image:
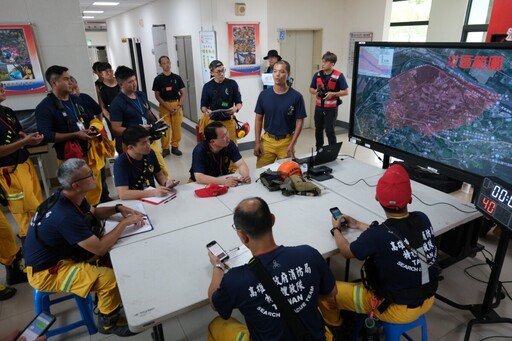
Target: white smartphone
{"x":217,"y":250}
{"x":38,"y":326}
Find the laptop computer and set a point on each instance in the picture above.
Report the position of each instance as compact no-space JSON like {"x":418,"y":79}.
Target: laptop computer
{"x":327,"y":154}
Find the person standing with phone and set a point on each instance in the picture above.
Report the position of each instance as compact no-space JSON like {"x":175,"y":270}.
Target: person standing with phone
{"x":66,"y":234}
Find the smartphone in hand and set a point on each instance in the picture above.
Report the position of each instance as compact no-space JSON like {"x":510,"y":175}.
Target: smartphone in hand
{"x":174,"y":184}
{"x":217,"y":250}
{"x":38,"y":326}
{"x":336,"y":214}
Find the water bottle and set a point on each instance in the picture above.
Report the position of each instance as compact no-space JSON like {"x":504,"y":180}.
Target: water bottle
{"x":371,"y":330}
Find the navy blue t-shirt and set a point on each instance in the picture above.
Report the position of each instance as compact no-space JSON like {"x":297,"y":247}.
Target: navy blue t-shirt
{"x":9,"y":130}
{"x":136,"y":174}
{"x":50,"y":120}
{"x":206,"y":162}
{"x":302,"y":276}
{"x":220,"y":95}
{"x":130,"y":112}
{"x":90,"y":104}
{"x":281,"y":110}
{"x":62,"y":228}
{"x":398,"y":268}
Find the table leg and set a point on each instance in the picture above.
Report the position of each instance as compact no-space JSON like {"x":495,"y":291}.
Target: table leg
{"x":43,"y":175}
{"x":158,"y":333}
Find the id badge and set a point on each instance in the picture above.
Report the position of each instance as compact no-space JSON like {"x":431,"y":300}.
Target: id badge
{"x":224,"y":104}
{"x":80,"y":125}
{"x":144,"y":120}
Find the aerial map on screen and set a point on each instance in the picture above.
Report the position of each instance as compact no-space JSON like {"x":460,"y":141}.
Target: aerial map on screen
{"x":450,"y":105}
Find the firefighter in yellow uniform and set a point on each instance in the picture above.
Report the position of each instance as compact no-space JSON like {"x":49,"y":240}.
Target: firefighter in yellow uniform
{"x":170,"y":93}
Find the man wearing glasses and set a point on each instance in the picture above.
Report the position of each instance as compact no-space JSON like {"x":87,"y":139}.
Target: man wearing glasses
{"x":212,"y":158}
{"x":220,"y":100}
{"x":300,"y":273}
{"x":61,"y":244}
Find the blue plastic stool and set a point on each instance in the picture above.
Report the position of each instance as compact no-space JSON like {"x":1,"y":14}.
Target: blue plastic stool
{"x":393,"y":330}
{"x":42,"y":302}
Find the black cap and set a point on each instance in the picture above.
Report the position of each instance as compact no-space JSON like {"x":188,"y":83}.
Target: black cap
{"x":272,"y":53}
{"x":215,"y":64}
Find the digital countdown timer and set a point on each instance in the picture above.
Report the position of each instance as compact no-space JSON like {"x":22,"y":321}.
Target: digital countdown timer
{"x":495,"y":200}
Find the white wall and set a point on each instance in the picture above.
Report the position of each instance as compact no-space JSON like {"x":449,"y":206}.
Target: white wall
{"x":446,"y":20}
{"x":336,"y":19}
{"x":187,"y":17}
{"x":97,"y":38}
{"x":60,"y":39}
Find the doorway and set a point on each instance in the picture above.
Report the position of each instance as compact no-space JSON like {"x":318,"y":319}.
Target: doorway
{"x":303,"y":50}
{"x":185,"y":65}
{"x":159,"y":44}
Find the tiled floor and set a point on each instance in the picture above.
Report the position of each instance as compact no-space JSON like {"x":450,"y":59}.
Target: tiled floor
{"x":444,"y":322}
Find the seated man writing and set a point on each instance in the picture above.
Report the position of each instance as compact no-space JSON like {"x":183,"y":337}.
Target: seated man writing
{"x":300,"y":274}
{"x":212,"y":157}
{"x":61,"y":241}
{"x":137,"y":168}
{"x":403,"y":252}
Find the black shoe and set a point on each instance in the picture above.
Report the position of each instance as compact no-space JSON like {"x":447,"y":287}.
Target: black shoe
{"x":166,"y":152}
{"x":176,"y":151}
{"x":15,"y":273}
{"x":114,"y":324}
{"x":6,"y":292}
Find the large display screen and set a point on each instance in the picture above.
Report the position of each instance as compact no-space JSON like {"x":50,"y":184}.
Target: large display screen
{"x":446,"y":106}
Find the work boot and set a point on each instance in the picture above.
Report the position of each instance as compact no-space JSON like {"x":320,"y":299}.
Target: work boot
{"x":15,"y":273}
{"x":176,"y":151}
{"x":113,"y":323}
{"x":165,"y":152}
{"x":6,"y":292}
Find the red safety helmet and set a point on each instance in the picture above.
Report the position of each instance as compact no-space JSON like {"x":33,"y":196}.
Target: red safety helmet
{"x":289,"y":168}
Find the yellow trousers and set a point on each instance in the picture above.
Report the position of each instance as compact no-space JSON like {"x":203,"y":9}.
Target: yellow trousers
{"x":272,"y":150}
{"x":93,"y":196}
{"x":355,"y":297}
{"x":23,"y":192}
{"x":172,"y":136}
{"x":80,"y":279}
{"x":229,"y":124}
{"x":159,"y":157}
{"x":233,"y":330}
{"x":8,"y":247}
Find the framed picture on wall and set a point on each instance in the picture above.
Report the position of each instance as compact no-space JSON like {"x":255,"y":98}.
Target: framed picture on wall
{"x":244,"y":49}
{"x":20,"y":69}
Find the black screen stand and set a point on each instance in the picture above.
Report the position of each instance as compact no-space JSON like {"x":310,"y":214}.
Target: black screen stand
{"x":484,"y":313}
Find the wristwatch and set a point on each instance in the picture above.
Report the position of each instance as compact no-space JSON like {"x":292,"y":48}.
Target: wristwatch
{"x":117,"y":207}
{"x":335,"y":228}
{"x":219,"y":266}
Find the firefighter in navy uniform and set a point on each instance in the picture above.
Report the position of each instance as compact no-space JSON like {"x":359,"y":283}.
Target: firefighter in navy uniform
{"x":220,"y":100}
{"x":21,"y":190}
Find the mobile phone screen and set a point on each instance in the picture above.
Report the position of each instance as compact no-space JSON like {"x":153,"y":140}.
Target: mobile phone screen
{"x":39,"y":325}
{"x":217,"y":251}
{"x":336,"y":213}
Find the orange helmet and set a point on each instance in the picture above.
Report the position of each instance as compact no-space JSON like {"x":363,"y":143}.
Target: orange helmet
{"x":289,"y":168}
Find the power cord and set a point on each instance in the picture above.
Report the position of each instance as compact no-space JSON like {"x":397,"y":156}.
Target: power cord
{"x":444,"y":203}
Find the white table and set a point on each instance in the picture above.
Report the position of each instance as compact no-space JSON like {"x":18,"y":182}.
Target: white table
{"x":166,"y":272}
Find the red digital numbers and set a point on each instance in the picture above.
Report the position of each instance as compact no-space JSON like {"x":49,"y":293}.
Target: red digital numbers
{"x":489,"y":205}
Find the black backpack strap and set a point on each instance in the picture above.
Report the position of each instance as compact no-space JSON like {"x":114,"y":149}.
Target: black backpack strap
{"x":295,"y":324}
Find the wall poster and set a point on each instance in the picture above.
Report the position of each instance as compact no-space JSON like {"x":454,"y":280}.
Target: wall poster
{"x":20,"y":70}
{"x":208,"y":50}
{"x":244,"y":49}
